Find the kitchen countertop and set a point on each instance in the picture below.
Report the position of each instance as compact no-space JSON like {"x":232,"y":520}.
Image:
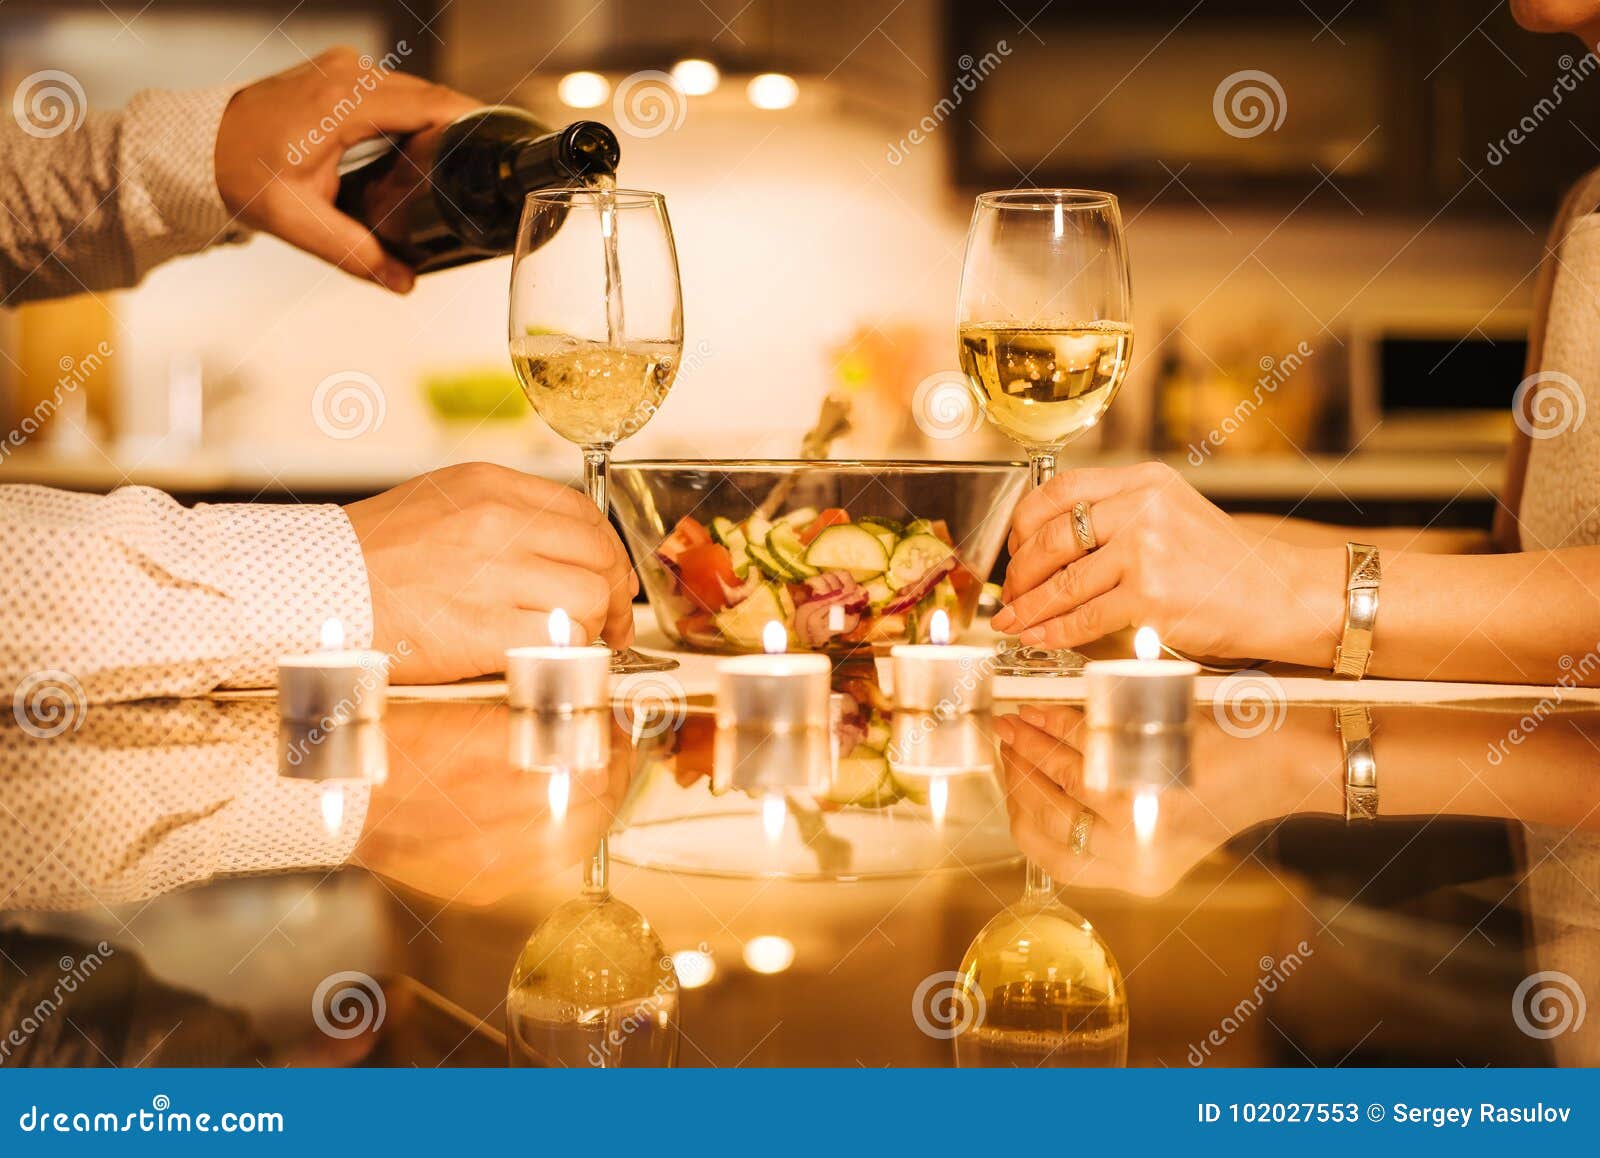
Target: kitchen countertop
{"x":233,"y":882}
{"x":1435,"y":476}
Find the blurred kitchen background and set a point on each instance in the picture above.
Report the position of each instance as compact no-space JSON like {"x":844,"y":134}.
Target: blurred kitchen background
{"x":1333,"y":239}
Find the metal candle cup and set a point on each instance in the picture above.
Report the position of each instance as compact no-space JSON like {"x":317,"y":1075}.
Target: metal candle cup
{"x":942,"y":677}
{"x":773,"y":722}
{"x":1138,"y":693}
{"x":558,"y":679}
{"x":338,"y":687}
{"x":556,"y":741}
{"x":933,"y":743}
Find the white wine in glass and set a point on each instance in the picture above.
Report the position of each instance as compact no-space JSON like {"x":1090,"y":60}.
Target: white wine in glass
{"x":596,"y":328}
{"x":1045,"y":333}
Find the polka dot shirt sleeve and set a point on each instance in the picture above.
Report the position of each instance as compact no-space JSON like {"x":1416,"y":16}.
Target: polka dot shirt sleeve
{"x":131,"y":595}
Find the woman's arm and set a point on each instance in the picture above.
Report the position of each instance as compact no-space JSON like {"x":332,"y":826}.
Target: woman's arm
{"x":1169,"y":558}
{"x":1390,"y":540}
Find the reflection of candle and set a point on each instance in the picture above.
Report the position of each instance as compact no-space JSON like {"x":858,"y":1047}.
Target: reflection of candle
{"x":1139,"y":693}
{"x":939,"y":744}
{"x":937,"y":676}
{"x":558,"y":677}
{"x":334,"y":685}
{"x":772,"y":718}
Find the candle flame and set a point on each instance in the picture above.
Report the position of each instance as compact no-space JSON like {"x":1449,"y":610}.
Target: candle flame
{"x":1146,"y":809}
{"x":332,"y":634}
{"x":333,"y":808}
{"x":939,"y":627}
{"x":774,"y":639}
{"x":560,"y":628}
{"x":1146,"y":643}
{"x":773,"y":817}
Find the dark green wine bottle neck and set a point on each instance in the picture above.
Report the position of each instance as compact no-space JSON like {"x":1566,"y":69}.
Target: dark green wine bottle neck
{"x":580,"y":152}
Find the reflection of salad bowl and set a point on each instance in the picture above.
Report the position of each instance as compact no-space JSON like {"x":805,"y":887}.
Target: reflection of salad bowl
{"x":844,"y":554}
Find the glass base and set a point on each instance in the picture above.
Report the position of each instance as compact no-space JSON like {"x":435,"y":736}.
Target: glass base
{"x":1018,"y":659}
{"x":630,"y":662}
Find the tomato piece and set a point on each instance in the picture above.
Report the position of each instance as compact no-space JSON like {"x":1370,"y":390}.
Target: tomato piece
{"x":689,"y":533}
{"x":832,"y":517}
{"x":705,"y":572}
{"x":941,"y":531}
{"x":697,"y":628}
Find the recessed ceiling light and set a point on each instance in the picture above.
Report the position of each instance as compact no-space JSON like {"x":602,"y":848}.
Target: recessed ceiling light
{"x":696,"y":77}
{"x":773,"y":90}
{"x":583,"y":90}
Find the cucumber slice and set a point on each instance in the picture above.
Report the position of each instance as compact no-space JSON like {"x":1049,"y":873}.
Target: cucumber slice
{"x":740,"y":554}
{"x":888,"y":538}
{"x":784,"y":543}
{"x":879,"y":592}
{"x":920,"y":527}
{"x":877,"y":733}
{"x":848,"y":548}
{"x":882,"y":523}
{"x":913,"y":557}
{"x":756,"y":529}
{"x":722,"y":528}
{"x":763,"y":558}
{"x":799,"y":517}
{"x":741,"y":624}
{"x":862,"y":778}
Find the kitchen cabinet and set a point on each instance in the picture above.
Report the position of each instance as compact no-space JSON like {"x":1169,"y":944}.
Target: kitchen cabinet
{"x":1391,"y":104}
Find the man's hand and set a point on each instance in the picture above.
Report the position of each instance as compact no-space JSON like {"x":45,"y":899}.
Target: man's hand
{"x":277,"y":157}
{"x":469,"y":560}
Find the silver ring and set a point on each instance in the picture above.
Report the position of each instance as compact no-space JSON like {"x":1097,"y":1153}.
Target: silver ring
{"x":1082,"y":829}
{"x":1083,"y":526}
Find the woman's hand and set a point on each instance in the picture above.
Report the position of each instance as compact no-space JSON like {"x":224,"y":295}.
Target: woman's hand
{"x":280,"y":140}
{"x":470,"y":560}
{"x":1169,"y":558}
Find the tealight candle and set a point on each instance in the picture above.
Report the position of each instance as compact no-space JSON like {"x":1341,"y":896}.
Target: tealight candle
{"x":335,"y":685}
{"x":773,"y":715}
{"x":939,"y":676}
{"x":1146,"y":693}
{"x":1137,"y":712}
{"x":558,"y":677}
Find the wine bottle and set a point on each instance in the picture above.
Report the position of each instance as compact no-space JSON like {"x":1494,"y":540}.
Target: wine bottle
{"x":454,"y":194}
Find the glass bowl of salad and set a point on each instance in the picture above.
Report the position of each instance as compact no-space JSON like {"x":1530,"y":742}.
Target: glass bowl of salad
{"x":845,"y":555}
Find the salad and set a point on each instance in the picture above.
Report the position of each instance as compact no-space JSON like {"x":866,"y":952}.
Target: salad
{"x":834,"y":582}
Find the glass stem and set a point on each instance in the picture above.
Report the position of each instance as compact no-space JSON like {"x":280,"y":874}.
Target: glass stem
{"x":1043,"y":463}
{"x":1037,"y":887}
{"x":596,"y":872}
{"x":596,"y":476}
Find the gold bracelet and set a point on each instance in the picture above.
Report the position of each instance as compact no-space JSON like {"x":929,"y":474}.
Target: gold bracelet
{"x":1360,"y":769}
{"x":1362,"y":576}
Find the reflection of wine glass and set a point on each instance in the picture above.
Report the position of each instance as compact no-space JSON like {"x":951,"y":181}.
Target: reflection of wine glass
{"x":596,"y":328}
{"x":593,"y":986}
{"x":1041,"y":988}
{"x":1045,"y":332}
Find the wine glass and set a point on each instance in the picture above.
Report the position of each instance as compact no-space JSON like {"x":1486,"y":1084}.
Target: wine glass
{"x":596,"y":327}
{"x":1039,"y":987}
{"x":1045,"y":333}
